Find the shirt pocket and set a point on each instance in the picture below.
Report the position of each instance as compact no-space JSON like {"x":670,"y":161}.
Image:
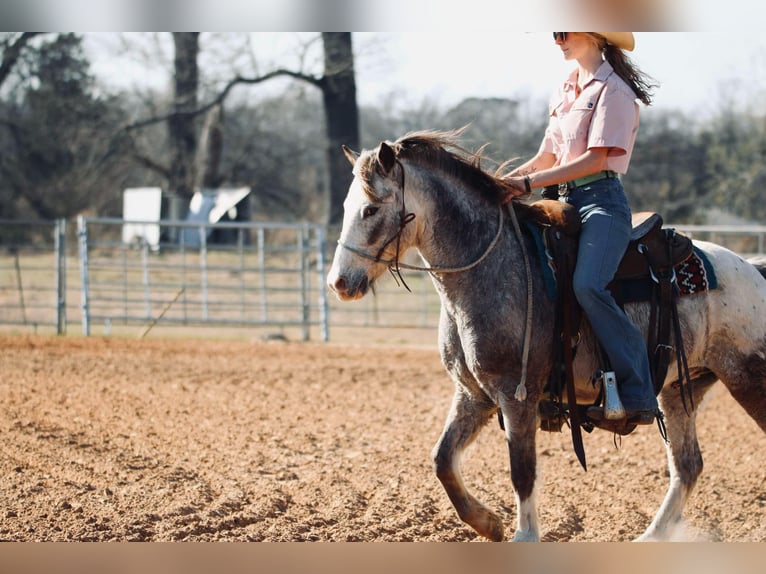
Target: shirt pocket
{"x":576,"y":122}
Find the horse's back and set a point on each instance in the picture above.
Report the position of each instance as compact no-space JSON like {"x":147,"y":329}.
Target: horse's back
{"x":732,"y":271}
{"x":759,"y":262}
{"x":736,"y":306}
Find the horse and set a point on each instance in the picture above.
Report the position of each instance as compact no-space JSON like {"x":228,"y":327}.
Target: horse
{"x":427,"y":192}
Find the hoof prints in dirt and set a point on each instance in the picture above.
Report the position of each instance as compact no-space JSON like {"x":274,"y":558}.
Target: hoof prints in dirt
{"x":567,"y":528}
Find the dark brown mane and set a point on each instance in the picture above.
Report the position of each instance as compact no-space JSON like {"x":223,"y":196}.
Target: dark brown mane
{"x":440,"y":150}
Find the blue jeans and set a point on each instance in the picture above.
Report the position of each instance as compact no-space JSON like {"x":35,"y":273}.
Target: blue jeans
{"x":604,"y":236}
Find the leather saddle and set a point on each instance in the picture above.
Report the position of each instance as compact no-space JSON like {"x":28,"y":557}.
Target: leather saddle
{"x":649,"y":261}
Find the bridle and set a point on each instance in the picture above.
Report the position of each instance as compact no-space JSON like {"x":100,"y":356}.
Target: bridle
{"x":395,"y":265}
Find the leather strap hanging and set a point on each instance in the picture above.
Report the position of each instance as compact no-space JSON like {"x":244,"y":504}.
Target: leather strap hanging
{"x":565,"y":263}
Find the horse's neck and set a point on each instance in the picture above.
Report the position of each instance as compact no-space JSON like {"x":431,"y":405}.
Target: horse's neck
{"x":456,"y":226}
{"x":457,"y":229}
{"x":485,"y":307}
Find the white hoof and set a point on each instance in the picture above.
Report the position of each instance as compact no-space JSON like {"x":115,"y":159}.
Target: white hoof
{"x":526,"y":536}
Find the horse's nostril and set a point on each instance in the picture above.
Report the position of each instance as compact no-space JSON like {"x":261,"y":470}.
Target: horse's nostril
{"x":339,"y":285}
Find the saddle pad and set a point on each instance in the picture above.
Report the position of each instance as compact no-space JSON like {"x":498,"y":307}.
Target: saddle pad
{"x":546,"y":262}
{"x":696,"y":274}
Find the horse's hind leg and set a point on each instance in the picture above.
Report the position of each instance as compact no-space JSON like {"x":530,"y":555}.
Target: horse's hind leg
{"x":684,"y":457}
{"x":466,"y":418}
{"x":748,"y":385}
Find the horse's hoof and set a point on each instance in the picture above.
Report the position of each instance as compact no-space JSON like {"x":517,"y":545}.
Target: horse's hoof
{"x":493,"y":529}
{"x":526,"y":536}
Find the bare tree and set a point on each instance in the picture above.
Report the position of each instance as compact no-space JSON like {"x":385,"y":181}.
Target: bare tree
{"x":338,"y":88}
{"x":182,"y":129}
{"x":210,"y":149}
{"x":11,"y":48}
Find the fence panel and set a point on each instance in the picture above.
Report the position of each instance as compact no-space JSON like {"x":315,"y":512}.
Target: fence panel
{"x":33,"y":273}
{"x":226,"y":274}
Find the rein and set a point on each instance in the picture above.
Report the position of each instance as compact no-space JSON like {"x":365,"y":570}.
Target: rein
{"x":395,"y":266}
{"x":521,"y":390}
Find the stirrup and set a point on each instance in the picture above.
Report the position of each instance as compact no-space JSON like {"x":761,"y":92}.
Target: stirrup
{"x":620,"y":427}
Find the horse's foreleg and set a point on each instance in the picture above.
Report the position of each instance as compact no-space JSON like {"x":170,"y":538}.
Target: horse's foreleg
{"x":466,"y":418}
{"x":520,"y":423}
{"x":684,"y":458}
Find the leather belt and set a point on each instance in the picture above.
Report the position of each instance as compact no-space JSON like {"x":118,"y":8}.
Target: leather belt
{"x":565,"y":188}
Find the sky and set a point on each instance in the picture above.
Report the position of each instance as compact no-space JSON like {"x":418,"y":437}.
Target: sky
{"x":697,"y":72}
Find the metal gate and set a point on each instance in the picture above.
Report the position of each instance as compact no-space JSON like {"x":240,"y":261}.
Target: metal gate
{"x":267,"y":274}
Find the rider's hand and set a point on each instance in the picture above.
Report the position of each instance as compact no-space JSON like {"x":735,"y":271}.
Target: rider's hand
{"x":518,"y":186}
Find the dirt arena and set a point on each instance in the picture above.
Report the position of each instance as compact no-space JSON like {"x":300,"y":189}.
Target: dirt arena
{"x":166,"y":440}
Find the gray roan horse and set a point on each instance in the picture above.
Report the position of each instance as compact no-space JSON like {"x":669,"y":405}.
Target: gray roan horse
{"x":425,"y":191}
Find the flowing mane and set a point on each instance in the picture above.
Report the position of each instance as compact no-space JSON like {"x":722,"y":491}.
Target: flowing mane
{"x":440,"y":150}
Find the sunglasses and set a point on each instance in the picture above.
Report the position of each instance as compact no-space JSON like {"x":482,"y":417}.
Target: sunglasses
{"x":560,"y":36}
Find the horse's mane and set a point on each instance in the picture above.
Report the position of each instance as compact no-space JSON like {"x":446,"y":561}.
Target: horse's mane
{"x":441,"y":150}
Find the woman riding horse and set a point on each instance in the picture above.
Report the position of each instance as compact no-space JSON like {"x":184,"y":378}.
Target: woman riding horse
{"x":588,"y":143}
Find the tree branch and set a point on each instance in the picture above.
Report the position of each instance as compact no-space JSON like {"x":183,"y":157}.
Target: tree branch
{"x":318,"y":82}
{"x":150,"y":164}
{"x":12,"y":53}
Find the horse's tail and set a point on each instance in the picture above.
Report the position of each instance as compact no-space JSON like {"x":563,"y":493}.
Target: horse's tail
{"x":759,"y":262}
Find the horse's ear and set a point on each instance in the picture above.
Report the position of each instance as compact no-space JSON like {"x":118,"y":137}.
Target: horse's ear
{"x":386,"y":158}
{"x":351,"y":155}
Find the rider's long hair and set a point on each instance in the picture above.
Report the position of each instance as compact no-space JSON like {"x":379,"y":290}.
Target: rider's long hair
{"x":641,"y":83}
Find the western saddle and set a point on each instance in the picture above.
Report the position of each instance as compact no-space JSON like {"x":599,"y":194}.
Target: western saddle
{"x":649,"y":262}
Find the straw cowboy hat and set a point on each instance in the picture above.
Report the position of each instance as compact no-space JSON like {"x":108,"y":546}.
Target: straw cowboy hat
{"x":623,"y":40}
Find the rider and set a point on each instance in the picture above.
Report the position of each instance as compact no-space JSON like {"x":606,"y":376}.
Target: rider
{"x":587,"y":145}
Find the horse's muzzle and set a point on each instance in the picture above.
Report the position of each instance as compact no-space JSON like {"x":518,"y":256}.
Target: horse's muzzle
{"x":347,"y":289}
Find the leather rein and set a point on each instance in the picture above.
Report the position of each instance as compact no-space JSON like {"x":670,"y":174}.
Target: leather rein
{"x":395,"y":265}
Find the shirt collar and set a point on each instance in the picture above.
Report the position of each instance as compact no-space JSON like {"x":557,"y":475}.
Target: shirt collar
{"x":604,"y":71}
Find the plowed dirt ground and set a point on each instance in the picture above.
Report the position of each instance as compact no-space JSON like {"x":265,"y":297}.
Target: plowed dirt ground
{"x":164,"y":440}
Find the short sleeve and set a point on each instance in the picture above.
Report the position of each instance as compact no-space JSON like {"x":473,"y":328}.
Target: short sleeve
{"x":615,"y":120}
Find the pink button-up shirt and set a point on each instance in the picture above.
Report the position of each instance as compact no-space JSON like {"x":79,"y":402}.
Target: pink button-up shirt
{"x":605,"y":114}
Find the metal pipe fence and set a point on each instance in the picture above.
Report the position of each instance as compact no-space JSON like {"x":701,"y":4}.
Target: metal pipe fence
{"x":33,"y":273}
{"x":269,"y":275}
{"x":264,"y":274}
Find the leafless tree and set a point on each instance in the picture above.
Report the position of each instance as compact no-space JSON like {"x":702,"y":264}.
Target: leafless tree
{"x":182,"y":129}
{"x":336,"y":84}
{"x":11,"y":47}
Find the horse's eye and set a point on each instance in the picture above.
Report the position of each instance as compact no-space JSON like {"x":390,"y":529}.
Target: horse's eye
{"x":369,"y":211}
